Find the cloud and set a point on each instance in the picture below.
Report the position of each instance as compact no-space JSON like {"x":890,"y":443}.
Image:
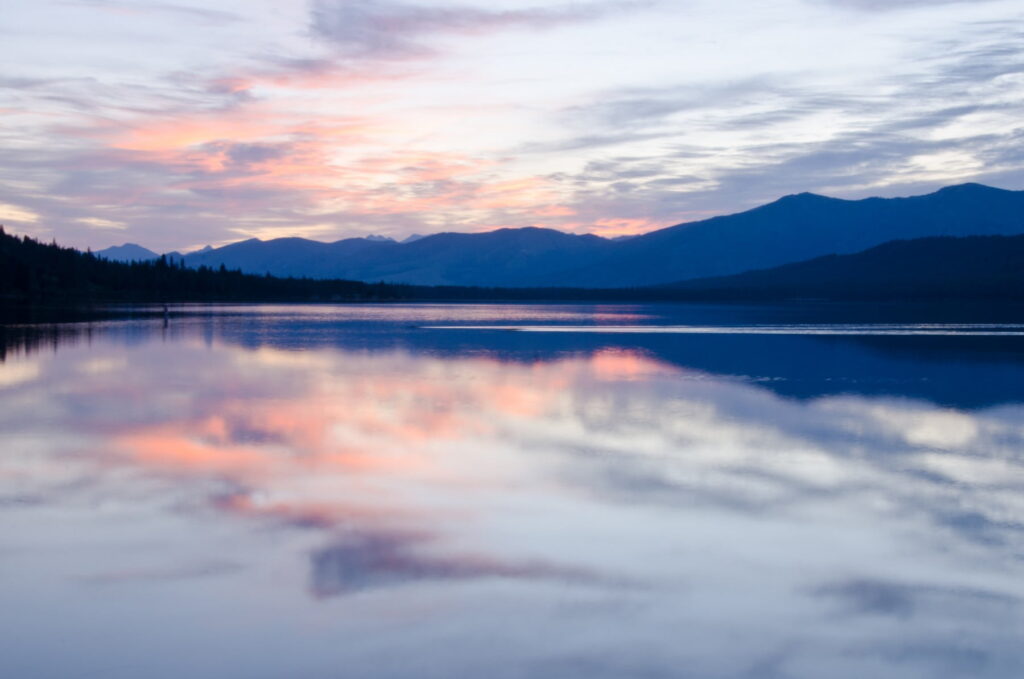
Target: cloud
{"x":305,"y":73}
{"x":899,"y":599}
{"x":345,"y":134}
{"x":100,"y":223}
{"x":976,"y":645}
{"x":19,"y":83}
{"x":620,"y":464}
{"x":19,"y":373}
{"x":143,"y":7}
{"x":188,"y":571}
{"x":14,"y":213}
{"x":892,"y":5}
{"x":639,"y":107}
{"x":674,"y":154}
{"x":364,"y":560}
{"x":386,"y":29}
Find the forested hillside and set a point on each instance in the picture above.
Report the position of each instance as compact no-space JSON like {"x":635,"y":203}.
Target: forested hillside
{"x":32,"y":271}
{"x":976,"y":267}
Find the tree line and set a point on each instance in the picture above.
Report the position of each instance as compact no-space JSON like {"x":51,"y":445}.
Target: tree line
{"x":32,"y":271}
{"x":989,"y":268}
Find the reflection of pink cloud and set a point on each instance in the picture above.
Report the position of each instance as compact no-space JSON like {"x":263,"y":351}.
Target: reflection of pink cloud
{"x":330,"y":433}
{"x":363,"y":452}
{"x":614,"y":364}
{"x":515,"y":400}
{"x":164,"y":448}
{"x":374,"y":424}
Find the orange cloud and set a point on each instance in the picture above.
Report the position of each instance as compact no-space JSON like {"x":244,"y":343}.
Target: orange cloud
{"x":624,"y":226}
{"x":165,"y":449}
{"x":170,"y":135}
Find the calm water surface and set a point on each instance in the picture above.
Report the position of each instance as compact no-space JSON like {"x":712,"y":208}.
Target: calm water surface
{"x":458,"y":491}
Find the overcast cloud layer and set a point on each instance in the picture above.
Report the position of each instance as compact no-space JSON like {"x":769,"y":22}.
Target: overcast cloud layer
{"x":175,"y":124}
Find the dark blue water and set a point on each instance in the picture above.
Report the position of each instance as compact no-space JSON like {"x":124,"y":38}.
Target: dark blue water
{"x":512,"y":491}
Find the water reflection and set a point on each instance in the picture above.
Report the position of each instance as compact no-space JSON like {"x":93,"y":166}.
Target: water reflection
{"x":361,"y":496}
{"x":363,"y":560}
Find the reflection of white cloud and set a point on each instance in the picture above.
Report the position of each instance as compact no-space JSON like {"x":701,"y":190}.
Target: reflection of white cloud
{"x":918,"y":425}
{"x":942,"y":430}
{"x":98,"y":366}
{"x":275,"y":358}
{"x":976,"y":471}
{"x":833,"y":520}
{"x":12,"y":373}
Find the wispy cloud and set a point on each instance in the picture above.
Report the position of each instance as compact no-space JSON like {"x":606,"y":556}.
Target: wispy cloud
{"x":188,"y":571}
{"x":904,"y":599}
{"x":342,"y":118}
{"x":386,"y":29}
{"x":143,"y":7}
{"x":896,"y":134}
{"x":364,"y":560}
{"x":892,"y":5}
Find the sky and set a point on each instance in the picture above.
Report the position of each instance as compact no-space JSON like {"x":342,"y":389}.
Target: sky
{"x":178,"y":123}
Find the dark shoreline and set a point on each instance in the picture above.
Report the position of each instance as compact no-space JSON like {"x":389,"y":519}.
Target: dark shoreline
{"x":45,"y":281}
{"x":762,"y":310}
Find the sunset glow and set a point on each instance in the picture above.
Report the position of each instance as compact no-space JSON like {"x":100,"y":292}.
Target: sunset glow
{"x":193,"y":123}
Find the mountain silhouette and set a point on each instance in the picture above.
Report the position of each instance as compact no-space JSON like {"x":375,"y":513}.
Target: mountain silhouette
{"x":800,"y":227}
{"x":969,"y":267}
{"x":505,"y":257}
{"x":792,"y":229}
{"x":129,"y":252}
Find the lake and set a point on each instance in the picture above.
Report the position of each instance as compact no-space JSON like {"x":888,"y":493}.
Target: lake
{"x":512,"y":491}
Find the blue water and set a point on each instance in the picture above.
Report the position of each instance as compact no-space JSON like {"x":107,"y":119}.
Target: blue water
{"x":511,"y":491}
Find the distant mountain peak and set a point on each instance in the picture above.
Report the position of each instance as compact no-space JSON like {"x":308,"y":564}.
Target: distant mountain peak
{"x":968,"y":187}
{"x":796,"y":227}
{"x":803,"y":200}
{"x":128,"y":252}
{"x":803,"y":196}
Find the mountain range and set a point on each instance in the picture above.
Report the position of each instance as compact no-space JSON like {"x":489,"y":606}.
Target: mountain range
{"x":129,"y":252}
{"x":792,"y":229}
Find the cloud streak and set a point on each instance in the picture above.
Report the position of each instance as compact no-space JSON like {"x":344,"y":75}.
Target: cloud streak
{"x":362,"y":561}
{"x":339,"y":119}
{"x":386,"y":29}
{"x":201,"y":14}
